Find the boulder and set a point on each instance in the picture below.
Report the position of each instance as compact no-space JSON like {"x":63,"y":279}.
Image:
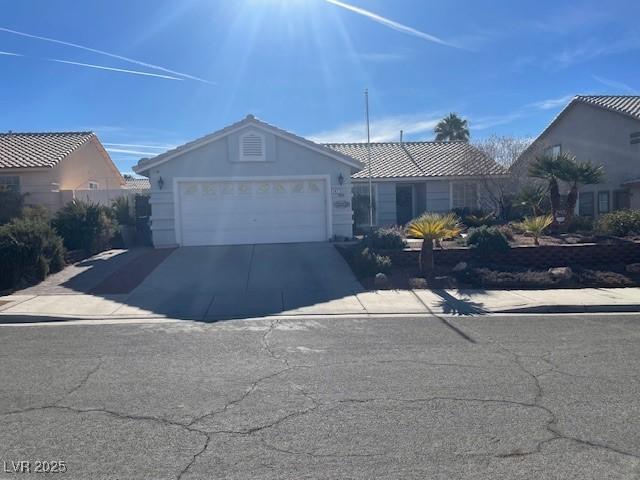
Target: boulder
{"x":460,"y":267}
{"x":561,"y":273}
{"x":633,"y":268}
{"x":380,"y":280}
{"x":417,"y":283}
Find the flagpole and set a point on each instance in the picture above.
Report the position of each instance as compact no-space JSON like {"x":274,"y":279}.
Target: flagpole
{"x":366,"y":104}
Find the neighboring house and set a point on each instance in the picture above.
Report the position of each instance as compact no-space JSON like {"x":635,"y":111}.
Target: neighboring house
{"x":138,"y":186}
{"x":252,"y":182}
{"x":53,"y":168}
{"x":604,"y":130}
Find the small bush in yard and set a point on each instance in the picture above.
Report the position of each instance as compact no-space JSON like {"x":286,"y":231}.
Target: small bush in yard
{"x":10,"y":205}
{"x":367,"y":263}
{"x":536,"y":226}
{"x":513,"y":277}
{"x":619,"y":224}
{"x":479,"y":219}
{"x":29,"y":251}
{"x":85,"y":226}
{"x":487,"y":240}
{"x":391,"y":238}
{"x":580,"y":224}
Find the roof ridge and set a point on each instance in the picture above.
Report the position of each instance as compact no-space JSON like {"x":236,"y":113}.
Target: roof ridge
{"x":396,"y":142}
{"x":607,"y":96}
{"x":47,"y":133}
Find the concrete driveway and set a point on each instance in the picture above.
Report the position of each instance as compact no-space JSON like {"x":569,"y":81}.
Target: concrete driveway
{"x":246,"y":280}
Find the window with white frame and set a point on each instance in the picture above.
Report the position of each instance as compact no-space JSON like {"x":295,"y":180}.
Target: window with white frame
{"x":603,"y":202}
{"x":93,"y":185}
{"x":553,"y":151}
{"x":464,"y":195}
{"x":252,"y":147}
{"x":360,"y":204}
{"x":10,"y":183}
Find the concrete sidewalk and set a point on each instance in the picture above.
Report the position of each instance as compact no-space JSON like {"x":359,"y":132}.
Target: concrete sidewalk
{"x":34,"y":307}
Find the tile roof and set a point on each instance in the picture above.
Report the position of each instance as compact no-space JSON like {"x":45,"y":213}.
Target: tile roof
{"x":625,"y":104}
{"x":38,"y":150}
{"x":420,"y":159}
{"x":138,"y":185}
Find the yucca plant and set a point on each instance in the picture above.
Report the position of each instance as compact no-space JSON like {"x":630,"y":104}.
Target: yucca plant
{"x":430,"y":227}
{"x":536,"y":226}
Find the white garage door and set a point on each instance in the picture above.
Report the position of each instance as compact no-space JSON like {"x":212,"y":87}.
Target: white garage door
{"x":215,"y":212}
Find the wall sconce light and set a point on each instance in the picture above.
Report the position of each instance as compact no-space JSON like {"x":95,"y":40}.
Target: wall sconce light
{"x":340,"y":179}
{"x":160,"y":183}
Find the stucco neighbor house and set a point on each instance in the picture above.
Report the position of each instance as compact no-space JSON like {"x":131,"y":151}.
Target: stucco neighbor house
{"x":252,"y":182}
{"x":604,"y":130}
{"x":53,"y":168}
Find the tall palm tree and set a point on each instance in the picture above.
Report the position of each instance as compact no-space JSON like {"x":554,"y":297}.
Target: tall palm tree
{"x":580,"y":173}
{"x":430,"y":227}
{"x":451,"y":128}
{"x":551,"y":168}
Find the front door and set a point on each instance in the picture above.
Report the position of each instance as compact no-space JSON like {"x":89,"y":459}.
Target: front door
{"x":404,"y":204}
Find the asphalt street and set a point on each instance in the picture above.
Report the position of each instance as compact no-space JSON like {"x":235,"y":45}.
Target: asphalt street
{"x":499,"y":397}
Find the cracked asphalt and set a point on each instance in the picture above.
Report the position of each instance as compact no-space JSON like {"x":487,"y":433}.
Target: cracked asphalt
{"x":500,"y":397}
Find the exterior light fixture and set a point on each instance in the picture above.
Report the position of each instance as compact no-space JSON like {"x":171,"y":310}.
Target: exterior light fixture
{"x":340,"y":179}
{"x":160,"y":183}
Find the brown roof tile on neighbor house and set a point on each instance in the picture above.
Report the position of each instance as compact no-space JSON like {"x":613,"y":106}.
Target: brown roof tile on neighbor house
{"x":39,"y":150}
{"x":420,"y":159}
{"x":138,"y":185}
{"x":625,"y":104}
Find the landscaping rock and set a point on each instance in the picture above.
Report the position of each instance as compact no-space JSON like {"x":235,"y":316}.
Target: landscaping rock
{"x":381,"y":280}
{"x":460,"y":267}
{"x":633,"y":268}
{"x":417,"y":283}
{"x":561,"y":273}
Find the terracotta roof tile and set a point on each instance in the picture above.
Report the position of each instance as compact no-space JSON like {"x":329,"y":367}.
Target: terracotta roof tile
{"x":38,"y":150}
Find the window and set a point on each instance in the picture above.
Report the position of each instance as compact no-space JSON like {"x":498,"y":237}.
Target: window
{"x":360,"y":204}
{"x":11,"y":184}
{"x":93,"y":185}
{"x":603,"y":202}
{"x":252,"y":147}
{"x":621,"y":200}
{"x":464,"y":195}
{"x":553,"y":151}
{"x":586,"y":204}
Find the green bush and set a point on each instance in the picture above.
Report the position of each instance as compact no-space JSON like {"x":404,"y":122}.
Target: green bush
{"x":391,"y":238}
{"x":85,"y":226}
{"x":10,"y":205}
{"x":619,"y":224}
{"x":122,"y":211}
{"x":29,"y":251}
{"x":487,"y":240}
{"x":367,"y":263}
{"x":580,"y":224}
{"x":479,"y":219}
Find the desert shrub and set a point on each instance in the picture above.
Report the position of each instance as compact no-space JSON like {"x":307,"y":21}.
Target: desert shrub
{"x":479,"y":219}
{"x":29,"y":251}
{"x":390,"y":238}
{"x":36,"y":212}
{"x":507,"y":231}
{"x":122,"y":211}
{"x":366,"y":263}
{"x":11,"y":204}
{"x":85,"y":226}
{"x":510,"y":277}
{"x":580,"y":224}
{"x":602,"y":277}
{"x":487,"y":240}
{"x":619,"y":224}
{"x":536,"y":226}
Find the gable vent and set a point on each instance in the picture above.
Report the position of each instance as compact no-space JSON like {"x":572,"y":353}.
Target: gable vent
{"x":252,"y":147}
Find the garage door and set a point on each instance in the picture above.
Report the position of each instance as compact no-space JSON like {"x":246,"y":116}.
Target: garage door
{"x":248,"y":211}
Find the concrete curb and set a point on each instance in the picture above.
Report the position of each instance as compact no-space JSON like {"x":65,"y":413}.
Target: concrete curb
{"x":632,"y":308}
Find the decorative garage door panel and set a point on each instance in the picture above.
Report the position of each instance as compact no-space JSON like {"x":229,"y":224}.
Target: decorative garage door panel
{"x":243,"y":212}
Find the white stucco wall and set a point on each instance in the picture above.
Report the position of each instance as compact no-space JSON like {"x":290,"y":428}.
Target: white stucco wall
{"x":219,"y":159}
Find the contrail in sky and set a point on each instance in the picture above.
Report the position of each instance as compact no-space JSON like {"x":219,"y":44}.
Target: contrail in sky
{"x":123,"y":70}
{"x":391,"y":23}
{"x":108,"y":54}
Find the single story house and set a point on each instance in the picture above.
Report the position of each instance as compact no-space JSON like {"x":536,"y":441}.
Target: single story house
{"x":252,"y":182}
{"x":604,"y":130}
{"x":52,"y":168}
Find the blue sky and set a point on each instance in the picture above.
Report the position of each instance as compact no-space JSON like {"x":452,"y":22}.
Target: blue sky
{"x":197,"y":65}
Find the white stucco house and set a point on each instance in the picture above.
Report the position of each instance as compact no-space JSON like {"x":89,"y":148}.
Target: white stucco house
{"x":252,"y":182}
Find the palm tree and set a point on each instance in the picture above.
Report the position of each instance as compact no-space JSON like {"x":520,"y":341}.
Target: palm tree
{"x":580,"y":173}
{"x":536,"y":226}
{"x":552,"y":169}
{"x":451,"y":128}
{"x":430,"y":227}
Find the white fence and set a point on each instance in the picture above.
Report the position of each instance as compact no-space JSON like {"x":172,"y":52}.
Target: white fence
{"x":103,"y":197}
